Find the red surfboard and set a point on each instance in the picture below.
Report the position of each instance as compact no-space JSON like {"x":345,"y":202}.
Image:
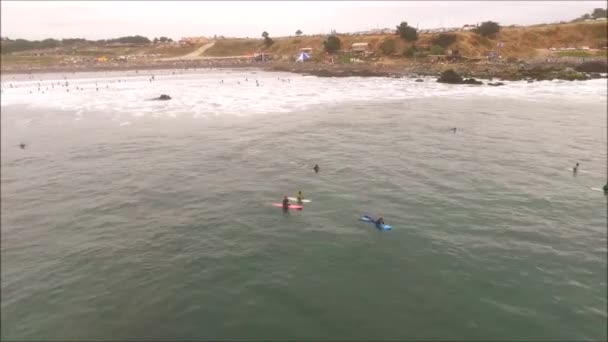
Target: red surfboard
{"x":291,"y":206}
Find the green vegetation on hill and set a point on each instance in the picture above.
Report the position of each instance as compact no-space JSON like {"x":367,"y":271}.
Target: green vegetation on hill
{"x":234,"y":47}
{"x":18,"y":45}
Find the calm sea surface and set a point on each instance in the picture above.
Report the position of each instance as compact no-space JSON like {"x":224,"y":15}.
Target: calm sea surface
{"x":128,"y":219}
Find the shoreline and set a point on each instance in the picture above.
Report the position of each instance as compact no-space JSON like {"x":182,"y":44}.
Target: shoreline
{"x":488,"y":71}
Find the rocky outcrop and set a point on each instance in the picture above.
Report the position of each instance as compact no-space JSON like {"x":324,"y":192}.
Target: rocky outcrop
{"x":548,"y":73}
{"x":594,"y":66}
{"x":452,"y":77}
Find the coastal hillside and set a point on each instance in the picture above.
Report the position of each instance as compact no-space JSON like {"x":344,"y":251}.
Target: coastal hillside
{"x":555,"y":41}
{"x":520,"y":42}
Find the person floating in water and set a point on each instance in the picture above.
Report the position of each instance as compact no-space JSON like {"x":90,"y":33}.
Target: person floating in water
{"x":453,"y":130}
{"x":22,"y":145}
{"x":606,"y":189}
{"x":300,"y":197}
{"x":285,"y":203}
{"x":379,"y":221}
{"x":575,"y":168}
{"x":316,"y":168}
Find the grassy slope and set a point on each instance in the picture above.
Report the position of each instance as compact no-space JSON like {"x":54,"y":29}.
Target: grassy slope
{"x":90,"y":51}
{"x":519,"y":42}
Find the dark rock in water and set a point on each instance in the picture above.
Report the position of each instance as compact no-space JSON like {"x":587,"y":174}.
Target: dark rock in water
{"x":419,"y":80}
{"x":497,"y":84}
{"x":593,"y":66}
{"x":163,"y":97}
{"x":471,"y":81}
{"x":450,"y":76}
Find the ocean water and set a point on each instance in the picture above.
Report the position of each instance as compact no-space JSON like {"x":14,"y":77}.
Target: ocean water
{"x":127,"y":219}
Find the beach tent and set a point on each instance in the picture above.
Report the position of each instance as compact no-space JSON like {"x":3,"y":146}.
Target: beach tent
{"x":303,"y":57}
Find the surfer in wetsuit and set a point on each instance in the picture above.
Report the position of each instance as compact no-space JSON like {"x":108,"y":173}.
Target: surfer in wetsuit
{"x":606,"y":189}
{"x":300,"y":197}
{"x":379,"y":221}
{"x":316,"y":168}
{"x":285,"y":203}
{"x":22,"y":145}
{"x":575,"y":168}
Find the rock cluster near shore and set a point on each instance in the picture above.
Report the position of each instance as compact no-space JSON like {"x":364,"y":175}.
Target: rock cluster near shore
{"x":467,"y":73}
{"x":452,"y":77}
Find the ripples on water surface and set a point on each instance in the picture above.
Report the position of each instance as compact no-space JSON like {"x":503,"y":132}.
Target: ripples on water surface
{"x":132,"y":219}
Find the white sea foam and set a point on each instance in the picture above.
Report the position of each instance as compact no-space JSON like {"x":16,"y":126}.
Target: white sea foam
{"x":212,"y":93}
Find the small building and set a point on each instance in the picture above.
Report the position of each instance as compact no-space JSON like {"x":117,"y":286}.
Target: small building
{"x":360,"y":47}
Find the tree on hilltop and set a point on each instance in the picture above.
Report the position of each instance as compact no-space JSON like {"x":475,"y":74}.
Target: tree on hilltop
{"x":298,"y":32}
{"x":599,"y":13}
{"x":407,"y":32}
{"x":267,"y":40}
{"x":488,"y":28}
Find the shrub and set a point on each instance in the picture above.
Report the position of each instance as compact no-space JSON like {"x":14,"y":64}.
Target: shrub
{"x":407,"y":32}
{"x":437,"y":50}
{"x":388,"y":47}
{"x":409,"y":52}
{"x":488,"y":28}
{"x":445,"y":39}
{"x":332,"y":44}
{"x":346,"y":58}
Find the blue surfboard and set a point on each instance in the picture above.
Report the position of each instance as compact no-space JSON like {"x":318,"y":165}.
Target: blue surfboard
{"x":372,"y":220}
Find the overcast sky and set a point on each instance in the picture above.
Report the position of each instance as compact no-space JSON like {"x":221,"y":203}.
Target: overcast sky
{"x":111,"y":19}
